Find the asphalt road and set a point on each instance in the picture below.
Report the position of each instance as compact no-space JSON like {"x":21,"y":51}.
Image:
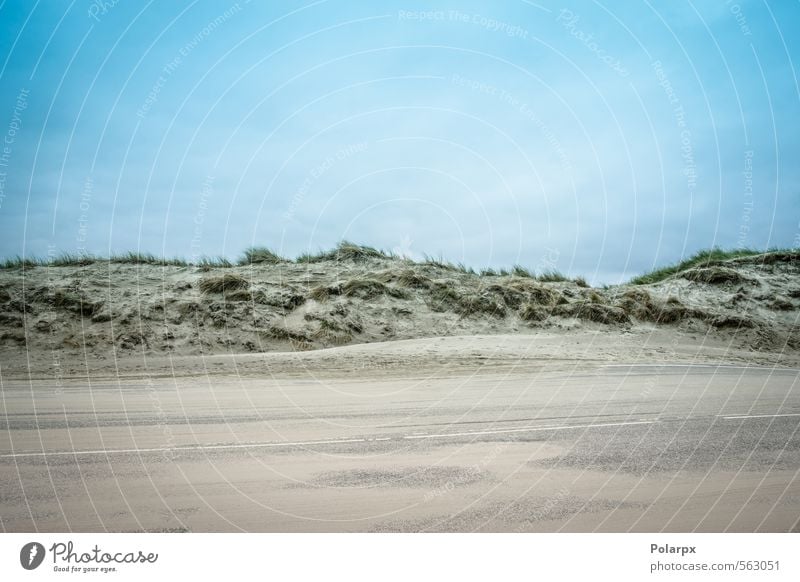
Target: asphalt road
{"x":583,"y":447}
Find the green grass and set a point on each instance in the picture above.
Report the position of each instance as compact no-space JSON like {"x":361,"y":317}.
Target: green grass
{"x":520,"y":271}
{"x":133,"y":258}
{"x":702,"y":258}
{"x":72,"y":260}
{"x":208,"y":263}
{"x":551,"y":276}
{"x":20,"y":263}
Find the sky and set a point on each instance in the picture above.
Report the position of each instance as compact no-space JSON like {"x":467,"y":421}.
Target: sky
{"x":599,"y":139}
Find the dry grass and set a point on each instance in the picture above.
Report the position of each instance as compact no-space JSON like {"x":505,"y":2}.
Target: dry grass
{"x":134,"y":258}
{"x":324,"y":292}
{"x":370,"y":289}
{"x":713,"y":275}
{"x":345,"y":251}
{"x":73,"y":260}
{"x":533,"y":312}
{"x":20,"y":263}
{"x":209,"y":263}
{"x":260,"y":256}
{"x":713,"y":257}
{"x":480,"y":304}
{"x":223,"y":283}
{"x":444,"y":297}
{"x":595,"y":312}
{"x":405,"y":278}
{"x":551,"y":276}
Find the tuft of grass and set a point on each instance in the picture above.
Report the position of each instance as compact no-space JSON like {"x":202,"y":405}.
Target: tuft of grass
{"x":479,"y":304}
{"x":533,"y":312}
{"x":20,"y":263}
{"x":551,"y":276}
{"x":72,"y":260}
{"x":370,"y":289}
{"x":405,"y":278}
{"x":297,"y":338}
{"x":581,"y":282}
{"x":704,"y":258}
{"x":209,"y":263}
{"x":519,"y":271}
{"x":260,"y":256}
{"x":324,"y":292}
{"x":438,"y":263}
{"x":133,"y":258}
{"x":345,"y":251}
{"x":713,"y":275}
{"x":223,"y":283}
{"x":488,"y":273}
{"x":595,"y":312}
{"x":511,"y":295}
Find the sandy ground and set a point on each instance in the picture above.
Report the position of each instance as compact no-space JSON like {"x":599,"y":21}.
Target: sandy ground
{"x":477,"y":433}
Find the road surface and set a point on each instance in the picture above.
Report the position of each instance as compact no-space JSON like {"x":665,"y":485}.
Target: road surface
{"x":558,"y":446}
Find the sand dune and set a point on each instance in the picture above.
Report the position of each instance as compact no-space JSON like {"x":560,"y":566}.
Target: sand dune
{"x":78,"y":316}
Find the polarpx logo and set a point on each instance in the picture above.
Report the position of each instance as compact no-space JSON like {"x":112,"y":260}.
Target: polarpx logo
{"x":31,"y":555}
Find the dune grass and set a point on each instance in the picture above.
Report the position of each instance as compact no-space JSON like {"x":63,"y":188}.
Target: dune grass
{"x":208,"y":263}
{"x":135,"y":258}
{"x":19,"y":262}
{"x":352,"y":252}
{"x":72,"y":260}
{"x":345,"y":251}
{"x":551,"y":276}
{"x":225,"y":283}
{"x":704,"y":258}
{"x":260,"y":256}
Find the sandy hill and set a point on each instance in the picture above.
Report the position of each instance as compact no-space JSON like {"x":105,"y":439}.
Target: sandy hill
{"x":94,"y":309}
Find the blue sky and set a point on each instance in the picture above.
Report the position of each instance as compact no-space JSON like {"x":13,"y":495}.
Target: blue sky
{"x":599,"y":139}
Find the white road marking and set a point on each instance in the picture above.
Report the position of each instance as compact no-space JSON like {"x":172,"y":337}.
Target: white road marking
{"x":758,"y":416}
{"x":524,"y":429}
{"x":724,"y":366}
{"x":414,"y":436}
{"x":181,"y":448}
